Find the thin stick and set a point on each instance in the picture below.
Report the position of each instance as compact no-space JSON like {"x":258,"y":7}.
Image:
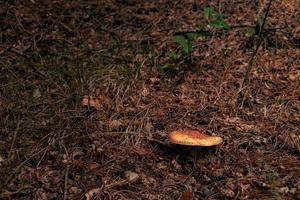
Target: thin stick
{"x":250,"y":65}
{"x":14,"y":139}
{"x":67,"y":171}
{"x":20,"y":166}
{"x":66,"y":183}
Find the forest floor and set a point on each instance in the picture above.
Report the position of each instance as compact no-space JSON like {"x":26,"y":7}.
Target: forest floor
{"x":89,"y":91}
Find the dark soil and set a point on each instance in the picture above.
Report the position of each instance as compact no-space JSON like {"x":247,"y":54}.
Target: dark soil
{"x":89,"y":91}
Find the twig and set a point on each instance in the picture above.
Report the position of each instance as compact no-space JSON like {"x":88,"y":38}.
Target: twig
{"x":66,"y":182}
{"x":12,"y":174}
{"x":250,"y":64}
{"x":42,"y":157}
{"x":4,"y":50}
{"x":19,"y":52}
{"x":67,"y":170}
{"x":14,"y":139}
{"x":8,"y":194}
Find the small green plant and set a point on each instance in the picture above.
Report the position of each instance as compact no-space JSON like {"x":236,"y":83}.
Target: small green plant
{"x":185,"y":39}
{"x":208,"y":12}
{"x":174,"y":55}
{"x":253,"y":31}
{"x":184,"y":42}
{"x":215,"y":19}
{"x":137,"y":68}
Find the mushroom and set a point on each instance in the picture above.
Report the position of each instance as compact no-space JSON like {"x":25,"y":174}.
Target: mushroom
{"x":193,"y":138}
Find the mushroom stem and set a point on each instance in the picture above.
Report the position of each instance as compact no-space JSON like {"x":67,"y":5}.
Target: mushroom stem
{"x":195,"y":159}
{"x":194,"y":139}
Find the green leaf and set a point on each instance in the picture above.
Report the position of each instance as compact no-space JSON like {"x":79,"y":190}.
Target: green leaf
{"x":258,"y":25}
{"x":250,"y":32}
{"x":165,"y":66}
{"x":220,"y":16}
{"x":173,"y":55}
{"x":192,"y":35}
{"x":184,"y":42}
{"x":220,"y":23}
{"x":200,"y":27}
{"x":208,"y":12}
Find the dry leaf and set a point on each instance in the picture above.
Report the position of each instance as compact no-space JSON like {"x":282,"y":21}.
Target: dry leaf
{"x":283,"y":190}
{"x":228,"y":193}
{"x":145,"y":91}
{"x":131,"y":176}
{"x":187,"y":195}
{"x":37,"y":93}
{"x":240,"y":124}
{"x":294,"y":76}
{"x":90,"y":101}
{"x":91,"y":193}
{"x":142,"y":151}
{"x":93,"y":165}
{"x":77,"y":153}
{"x":75,"y":190}
{"x":115,"y":124}
{"x":98,"y":102}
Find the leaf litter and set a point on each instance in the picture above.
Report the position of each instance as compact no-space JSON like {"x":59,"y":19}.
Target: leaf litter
{"x":105,"y":55}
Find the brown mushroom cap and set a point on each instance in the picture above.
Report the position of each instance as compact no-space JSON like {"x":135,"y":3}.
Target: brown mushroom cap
{"x":193,"y":138}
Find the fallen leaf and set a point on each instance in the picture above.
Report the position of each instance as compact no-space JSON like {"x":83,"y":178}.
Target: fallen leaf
{"x":44,"y":195}
{"x":91,"y":193}
{"x":142,"y":151}
{"x":77,"y":153}
{"x":37,"y":93}
{"x":87,"y":165}
{"x":90,"y":101}
{"x":294,"y":76}
{"x":98,"y":102}
{"x":283,"y":190}
{"x":176,"y":165}
{"x":187,"y":195}
{"x":115,"y":124}
{"x":240,"y":124}
{"x":131,"y":176}
{"x":93,"y":165}
{"x":228,"y":193}
{"x":75,"y":190}
{"x":293,"y":190}
{"x":145,"y":91}
{"x":1,"y":159}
